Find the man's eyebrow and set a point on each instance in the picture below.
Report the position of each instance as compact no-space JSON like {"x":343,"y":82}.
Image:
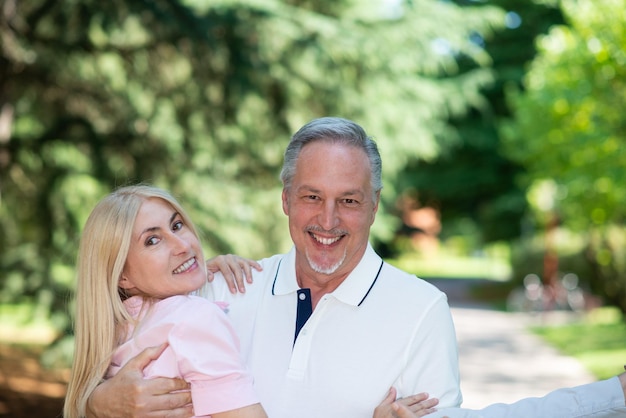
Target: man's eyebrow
{"x":314,"y":190}
{"x":307,"y":189}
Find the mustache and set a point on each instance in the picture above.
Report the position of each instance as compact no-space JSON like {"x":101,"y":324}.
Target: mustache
{"x":334,"y":231}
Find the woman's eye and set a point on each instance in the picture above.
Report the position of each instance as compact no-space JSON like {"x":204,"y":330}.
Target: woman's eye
{"x":177,"y":225}
{"x":152,"y":241}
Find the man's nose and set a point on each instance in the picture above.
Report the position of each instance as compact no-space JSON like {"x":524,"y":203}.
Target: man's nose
{"x":328,"y":217}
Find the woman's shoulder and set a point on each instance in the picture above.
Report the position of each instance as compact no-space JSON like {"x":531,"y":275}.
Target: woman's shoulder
{"x":189,"y":305}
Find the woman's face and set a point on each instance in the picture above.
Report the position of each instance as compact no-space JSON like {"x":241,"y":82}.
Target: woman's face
{"x":165,"y":257}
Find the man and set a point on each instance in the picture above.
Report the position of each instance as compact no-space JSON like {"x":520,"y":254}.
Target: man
{"x":371,"y":326}
{"x":329,"y":328}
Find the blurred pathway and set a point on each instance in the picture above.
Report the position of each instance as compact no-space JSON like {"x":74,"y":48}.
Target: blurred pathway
{"x":500,"y":361}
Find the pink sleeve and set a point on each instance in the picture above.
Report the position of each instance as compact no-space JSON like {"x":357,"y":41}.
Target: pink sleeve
{"x":207,"y":351}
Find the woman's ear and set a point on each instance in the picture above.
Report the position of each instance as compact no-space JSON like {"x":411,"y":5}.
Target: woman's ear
{"x":125,"y":283}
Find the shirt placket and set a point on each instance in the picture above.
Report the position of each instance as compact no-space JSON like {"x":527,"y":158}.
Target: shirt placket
{"x":304,"y":339}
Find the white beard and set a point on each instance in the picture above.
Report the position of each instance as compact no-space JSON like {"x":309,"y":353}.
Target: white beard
{"x":323,"y":269}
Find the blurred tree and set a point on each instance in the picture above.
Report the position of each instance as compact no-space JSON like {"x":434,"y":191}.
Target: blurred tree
{"x":200,"y":97}
{"x":473,"y":180}
{"x":569,"y":132}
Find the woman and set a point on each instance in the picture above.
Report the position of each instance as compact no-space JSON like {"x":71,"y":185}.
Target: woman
{"x":139,"y":259}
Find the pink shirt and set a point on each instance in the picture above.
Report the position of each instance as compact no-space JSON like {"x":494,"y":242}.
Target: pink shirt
{"x":203,"y":350}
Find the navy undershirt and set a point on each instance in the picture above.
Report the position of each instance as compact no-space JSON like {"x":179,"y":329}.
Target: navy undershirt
{"x":305,"y":309}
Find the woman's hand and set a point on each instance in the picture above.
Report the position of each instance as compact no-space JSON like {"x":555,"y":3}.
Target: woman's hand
{"x":235,"y":270}
{"x":410,"y":407}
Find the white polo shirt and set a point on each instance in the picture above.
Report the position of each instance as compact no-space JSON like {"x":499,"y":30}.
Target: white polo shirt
{"x":380,"y":328}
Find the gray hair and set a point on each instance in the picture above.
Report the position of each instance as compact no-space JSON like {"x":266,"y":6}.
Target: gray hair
{"x":338,"y":131}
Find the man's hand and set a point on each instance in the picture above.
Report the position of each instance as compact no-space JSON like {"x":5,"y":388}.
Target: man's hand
{"x":234,"y":269}
{"x":128,"y":394}
{"x":410,"y":407}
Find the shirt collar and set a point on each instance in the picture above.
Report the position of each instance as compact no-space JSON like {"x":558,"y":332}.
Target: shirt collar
{"x":352,"y":291}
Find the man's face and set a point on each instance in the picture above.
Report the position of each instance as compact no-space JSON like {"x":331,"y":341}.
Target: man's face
{"x":330,"y":209}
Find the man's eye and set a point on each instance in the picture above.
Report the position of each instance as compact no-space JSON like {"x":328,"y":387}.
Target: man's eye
{"x":351,"y":202}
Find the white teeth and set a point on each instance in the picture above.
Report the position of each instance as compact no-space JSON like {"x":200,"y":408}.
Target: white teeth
{"x":326,"y":241}
{"x":185,"y":266}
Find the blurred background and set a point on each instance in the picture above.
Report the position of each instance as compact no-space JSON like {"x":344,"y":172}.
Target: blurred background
{"x":500,"y":122}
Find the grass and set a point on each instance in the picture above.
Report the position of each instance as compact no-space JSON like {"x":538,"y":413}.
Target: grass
{"x":454,"y":267}
{"x":599,"y":342}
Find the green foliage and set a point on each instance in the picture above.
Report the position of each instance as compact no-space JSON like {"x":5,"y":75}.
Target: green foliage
{"x":200,"y":98}
{"x":473,"y":180}
{"x":598,"y":342}
{"x":568,"y":130}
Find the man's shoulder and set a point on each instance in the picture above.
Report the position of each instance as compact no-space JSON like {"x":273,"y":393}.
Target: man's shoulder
{"x":409,"y":282}
{"x":270,"y":263}
{"x":218,"y":288}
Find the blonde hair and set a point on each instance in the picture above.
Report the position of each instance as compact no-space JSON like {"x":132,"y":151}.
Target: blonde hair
{"x":100,"y":316}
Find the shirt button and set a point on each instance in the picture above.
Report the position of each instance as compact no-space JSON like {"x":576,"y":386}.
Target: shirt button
{"x":302,"y":296}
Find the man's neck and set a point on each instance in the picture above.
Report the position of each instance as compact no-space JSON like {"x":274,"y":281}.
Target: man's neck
{"x":319,"y":284}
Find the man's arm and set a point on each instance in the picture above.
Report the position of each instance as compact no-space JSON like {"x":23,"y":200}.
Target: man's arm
{"x":432,"y":357}
{"x":128,"y":394}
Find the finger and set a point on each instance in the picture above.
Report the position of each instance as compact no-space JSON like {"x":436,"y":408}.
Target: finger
{"x":423,"y":412}
{"x":257,"y":266}
{"x":401,"y":411}
{"x":177,"y":404}
{"x":426,"y":405}
{"x":234,"y":269}
{"x":160,"y":385}
{"x":165,"y":385}
{"x":391,"y":397}
{"x":251,"y":264}
{"x":241,"y":268}
{"x":247,"y":271}
{"x":413,"y":399}
{"x":184,"y":412}
{"x":141,"y":360}
{"x":220,"y":263}
{"x":240,"y":271}
{"x":383,"y":410}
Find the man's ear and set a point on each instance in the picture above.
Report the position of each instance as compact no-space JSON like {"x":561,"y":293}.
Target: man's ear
{"x":285,"y":198}
{"x":375,"y":208}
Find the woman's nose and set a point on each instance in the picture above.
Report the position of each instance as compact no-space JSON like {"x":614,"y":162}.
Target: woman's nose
{"x":180,"y":244}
